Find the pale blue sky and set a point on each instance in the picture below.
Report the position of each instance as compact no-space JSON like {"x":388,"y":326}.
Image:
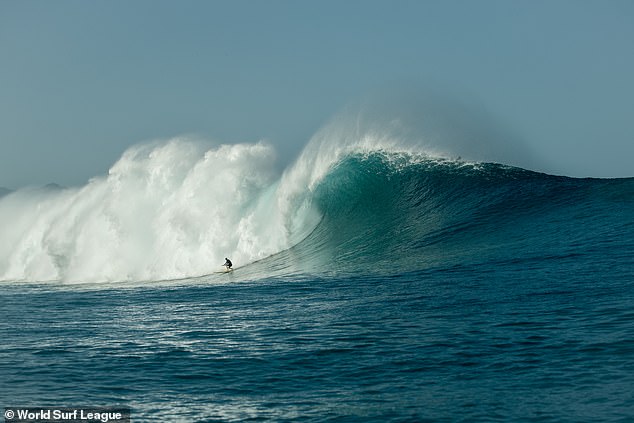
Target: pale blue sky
{"x":80,"y":81}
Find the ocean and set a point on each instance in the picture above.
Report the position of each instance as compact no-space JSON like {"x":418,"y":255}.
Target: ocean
{"x":371,"y":283}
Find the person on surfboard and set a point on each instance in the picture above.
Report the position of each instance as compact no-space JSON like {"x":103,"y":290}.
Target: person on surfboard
{"x":228,"y":264}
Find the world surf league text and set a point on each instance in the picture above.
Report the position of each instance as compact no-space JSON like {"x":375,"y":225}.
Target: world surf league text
{"x":64,"y":415}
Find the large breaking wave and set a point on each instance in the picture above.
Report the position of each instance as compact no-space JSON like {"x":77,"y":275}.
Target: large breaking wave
{"x":354,"y":200}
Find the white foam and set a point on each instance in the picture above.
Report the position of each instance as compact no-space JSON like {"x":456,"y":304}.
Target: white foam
{"x":165,"y":210}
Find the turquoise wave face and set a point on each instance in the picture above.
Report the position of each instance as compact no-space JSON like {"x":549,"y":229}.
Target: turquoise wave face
{"x":386,"y":213}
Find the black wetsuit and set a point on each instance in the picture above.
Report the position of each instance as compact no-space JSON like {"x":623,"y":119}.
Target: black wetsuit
{"x":228,"y":263}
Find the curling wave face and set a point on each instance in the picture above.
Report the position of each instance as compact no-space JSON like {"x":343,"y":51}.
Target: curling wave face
{"x":392,"y":213}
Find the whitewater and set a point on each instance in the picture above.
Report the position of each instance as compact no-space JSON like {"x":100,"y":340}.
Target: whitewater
{"x":379,"y":277}
{"x":167,"y":210}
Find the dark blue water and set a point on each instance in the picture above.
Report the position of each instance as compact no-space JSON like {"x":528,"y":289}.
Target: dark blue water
{"x":427,"y":293}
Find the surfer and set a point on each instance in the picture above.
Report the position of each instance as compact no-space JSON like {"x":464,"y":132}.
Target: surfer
{"x":228,"y":264}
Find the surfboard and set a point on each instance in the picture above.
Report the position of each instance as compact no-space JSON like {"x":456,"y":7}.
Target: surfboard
{"x":224,"y":271}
